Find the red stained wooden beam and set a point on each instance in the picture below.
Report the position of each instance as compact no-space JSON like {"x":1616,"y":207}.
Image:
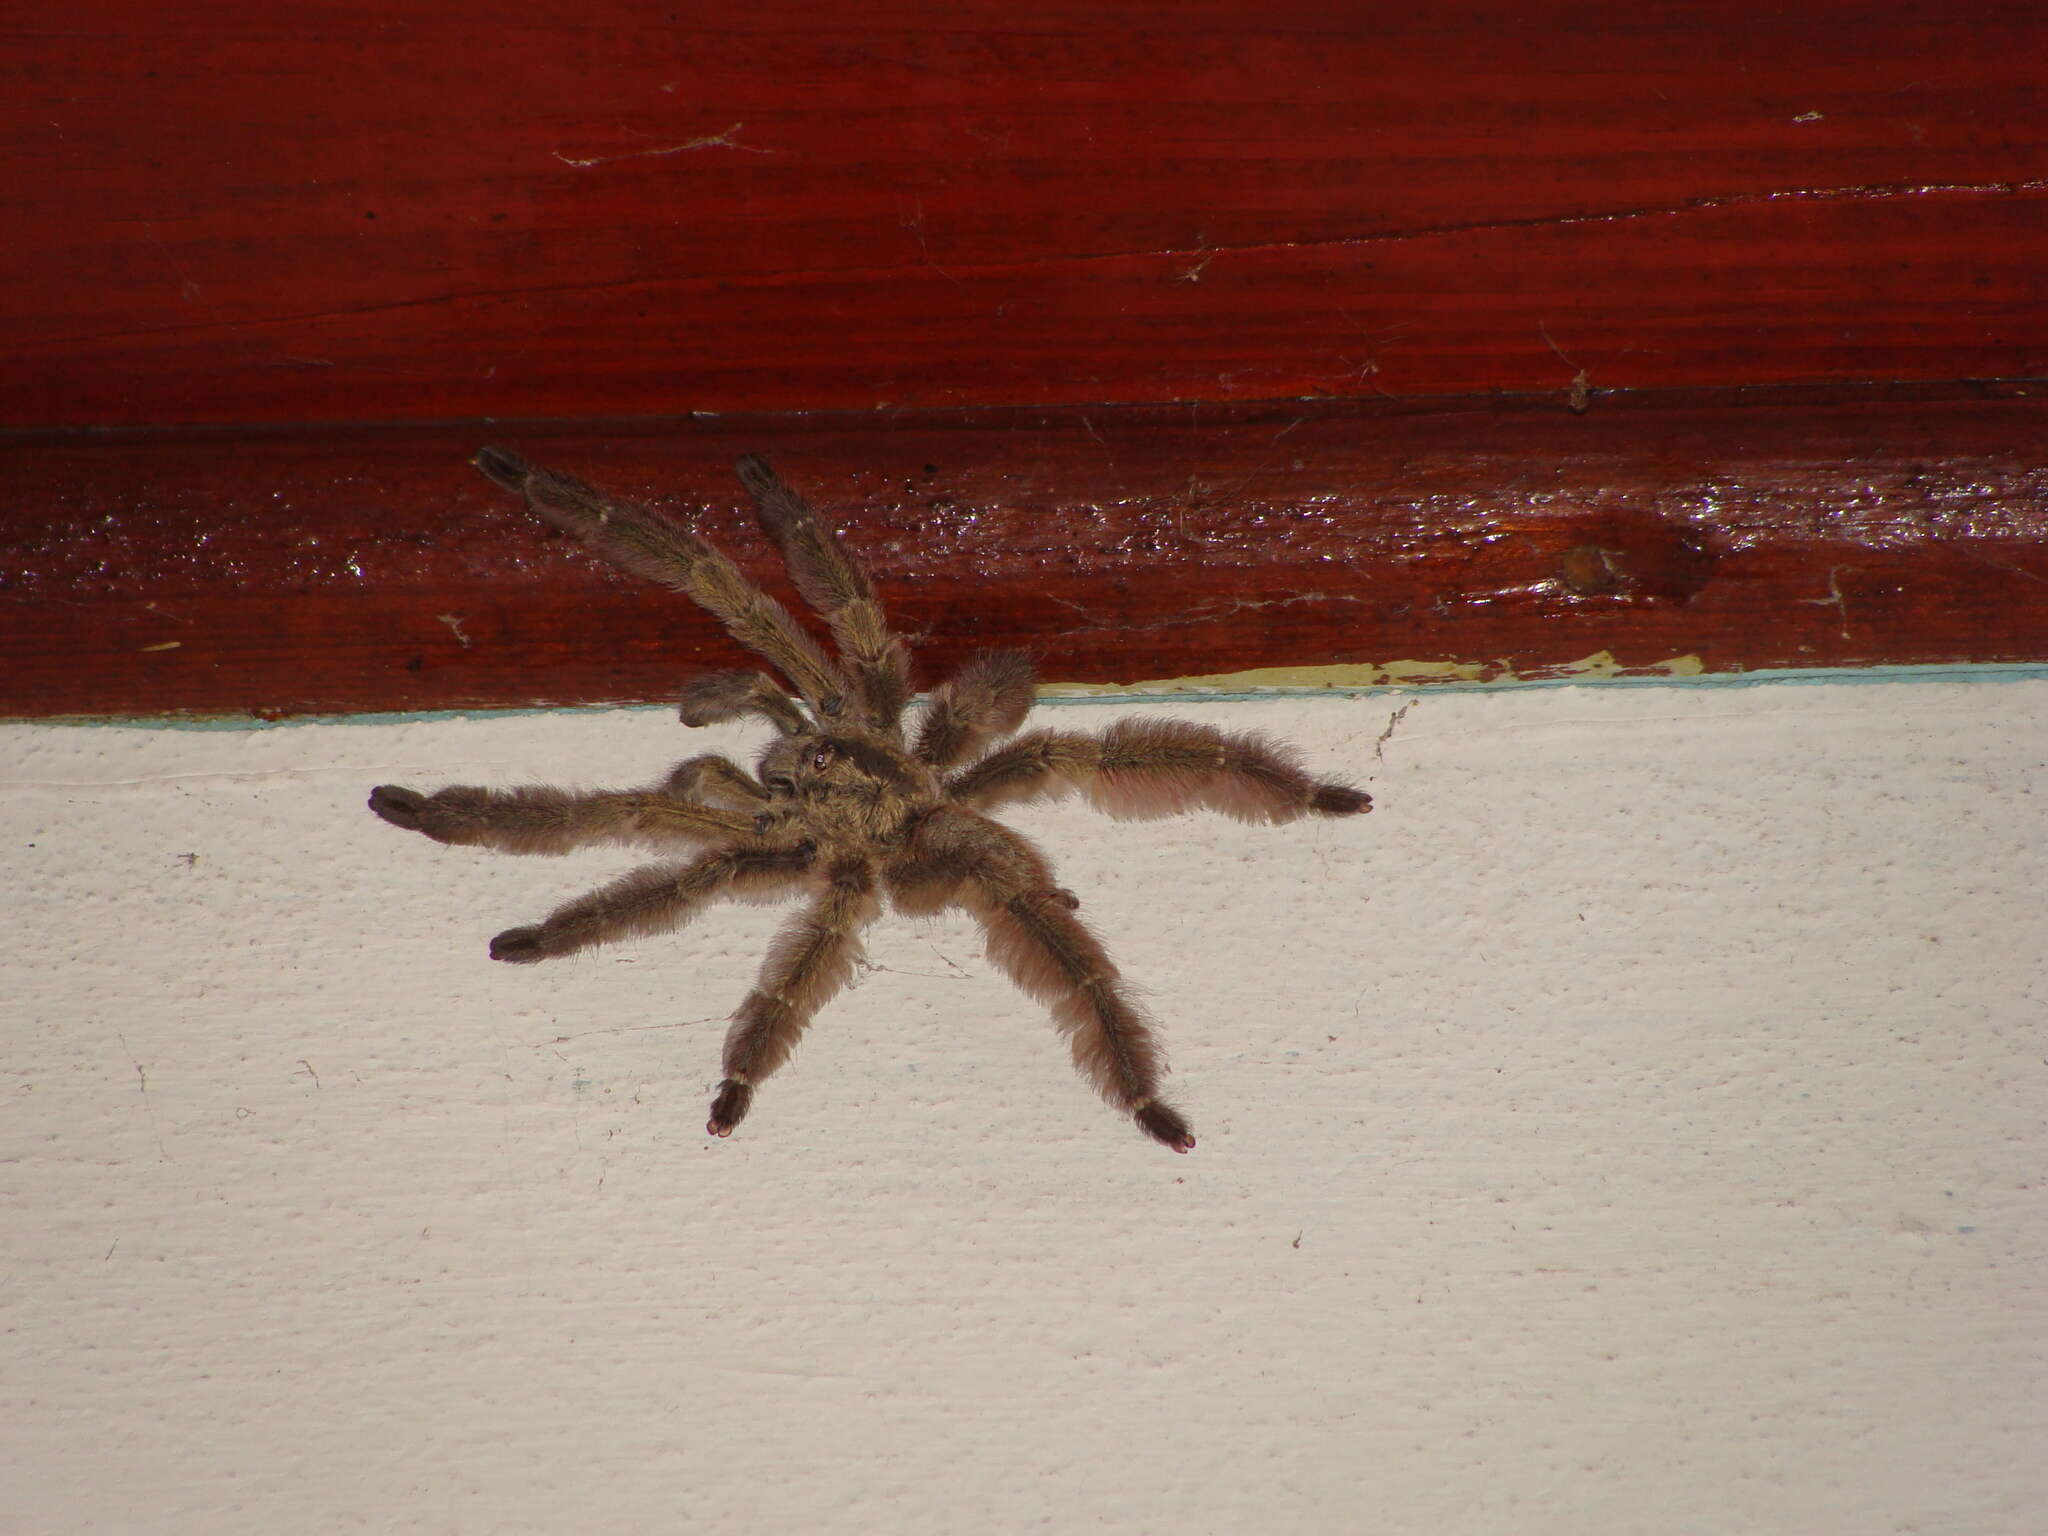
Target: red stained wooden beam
{"x":290,"y":572}
{"x":377,"y":211}
{"x":1377,"y":258}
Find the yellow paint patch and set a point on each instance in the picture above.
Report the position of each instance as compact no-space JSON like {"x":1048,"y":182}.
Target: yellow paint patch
{"x":1386,"y":674}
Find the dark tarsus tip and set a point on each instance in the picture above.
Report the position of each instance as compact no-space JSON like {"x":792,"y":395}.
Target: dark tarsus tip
{"x":400,"y":807}
{"x":780,"y":507}
{"x":1339,"y":800}
{"x":506,"y":469}
{"x":730,"y":1107}
{"x":755,"y":474}
{"x":1051,"y":896}
{"x":521,"y":946}
{"x":1164,"y":1125}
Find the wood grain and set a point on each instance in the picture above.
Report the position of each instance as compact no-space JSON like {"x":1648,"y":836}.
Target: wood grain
{"x":1164,"y":341}
{"x":378,"y":212}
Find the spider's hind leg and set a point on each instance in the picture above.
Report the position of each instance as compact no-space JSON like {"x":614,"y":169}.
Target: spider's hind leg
{"x":653,"y":545}
{"x":1034,"y":936}
{"x":651,"y":900}
{"x":956,"y":858}
{"x":811,"y":959}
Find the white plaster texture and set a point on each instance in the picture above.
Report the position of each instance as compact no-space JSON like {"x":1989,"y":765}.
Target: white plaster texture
{"x":1634,"y":1125}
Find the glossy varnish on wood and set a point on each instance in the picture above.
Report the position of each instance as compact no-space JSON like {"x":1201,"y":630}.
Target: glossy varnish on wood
{"x":284,"y":573}
{"x":354,"y":222}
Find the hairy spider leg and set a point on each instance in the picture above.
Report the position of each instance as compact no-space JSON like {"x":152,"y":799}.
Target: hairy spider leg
{"x":719,"y":696}
{"x":709,"y":774}
{"x":958,"y":858}
{"x":1034,"y":936}
{"x":1147,"y":768}
{"x":979,"y":705}
{"x":831,"y":580}
{"x":811,"y":959}
{"x":538,"y":818}
{"x":645,"y":542}
{"x":653,"y":899}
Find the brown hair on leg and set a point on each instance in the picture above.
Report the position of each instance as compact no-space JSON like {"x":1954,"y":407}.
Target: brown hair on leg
{"x":1141,"y":768}
{"x":811,"y":959}
{"x":980,"y":704}
{"x":538,"y":818}
{"x":652,"y":899}
{"x":831,"y":580}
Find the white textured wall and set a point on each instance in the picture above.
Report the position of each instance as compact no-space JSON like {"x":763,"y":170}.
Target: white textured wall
{"x":1635,"y":1125}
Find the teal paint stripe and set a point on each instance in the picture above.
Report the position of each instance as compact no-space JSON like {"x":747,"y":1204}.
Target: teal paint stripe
{"x":2012,"y":672}
{"x":2015,"y":672}
{"x":412,"y":717}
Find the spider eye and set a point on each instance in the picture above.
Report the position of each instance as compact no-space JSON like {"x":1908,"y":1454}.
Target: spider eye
{"x":822,"y":759}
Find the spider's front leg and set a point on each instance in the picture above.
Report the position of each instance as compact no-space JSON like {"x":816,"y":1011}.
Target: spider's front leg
{"x":539,"y":818}
{"x":811,"y":959}
{"x":649,"y":544}
{"x":1144,"y":768}
{"x":832,"y":581}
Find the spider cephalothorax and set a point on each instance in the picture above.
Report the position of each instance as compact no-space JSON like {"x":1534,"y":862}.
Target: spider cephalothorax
{"x":848,"y":807}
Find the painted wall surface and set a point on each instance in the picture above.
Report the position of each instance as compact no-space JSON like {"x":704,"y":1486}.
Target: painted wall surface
{"x":1634,"y":1125}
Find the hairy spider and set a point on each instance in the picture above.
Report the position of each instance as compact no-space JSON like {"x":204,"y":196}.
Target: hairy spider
{"x":848,"y":807}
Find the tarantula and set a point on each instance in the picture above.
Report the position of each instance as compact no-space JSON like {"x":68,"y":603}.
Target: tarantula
{"x":849,"y":806}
